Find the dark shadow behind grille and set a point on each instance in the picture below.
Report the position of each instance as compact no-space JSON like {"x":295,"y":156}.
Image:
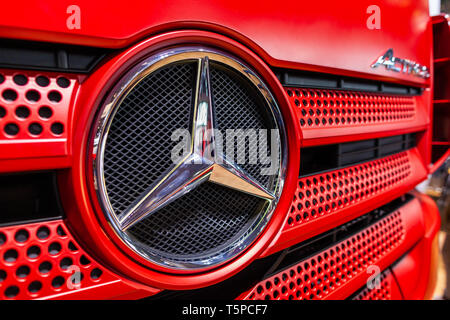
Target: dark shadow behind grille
{"x":314,"y":160}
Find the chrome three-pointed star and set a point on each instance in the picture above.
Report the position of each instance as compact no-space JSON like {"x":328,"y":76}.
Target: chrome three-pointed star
{"x":202,"y":164}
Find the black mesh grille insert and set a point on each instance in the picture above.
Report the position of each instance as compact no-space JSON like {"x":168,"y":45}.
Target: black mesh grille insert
{"x":138,"y":147}
{"x":206,"y":219}
{"x":236,"y":109}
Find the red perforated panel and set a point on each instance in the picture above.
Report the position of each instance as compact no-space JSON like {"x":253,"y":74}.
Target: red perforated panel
{"x":319,"y":276}
{"x":326,"y":200}
{"x":32,"y":98}
{"x":42,"y":261}
{"x":335,"y":116}
{"x":34,"y":112}
{"x":327,"y":193}
{"x":331,"y":108}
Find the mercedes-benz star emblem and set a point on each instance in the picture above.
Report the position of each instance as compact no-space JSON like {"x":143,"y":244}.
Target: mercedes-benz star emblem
{"x":205,"y":206}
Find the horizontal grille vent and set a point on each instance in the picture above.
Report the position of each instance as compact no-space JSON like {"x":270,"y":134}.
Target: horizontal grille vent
{"x":304,"y":79}
{"x":334,"y":156}
{"x":30,"y":197}
{"x":49,"y":56}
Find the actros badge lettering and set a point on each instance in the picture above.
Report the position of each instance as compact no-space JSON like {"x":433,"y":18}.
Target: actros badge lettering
{"x":392,"y":63}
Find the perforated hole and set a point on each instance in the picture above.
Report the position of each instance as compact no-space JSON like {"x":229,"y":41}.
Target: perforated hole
{"x":45,"y":112}
{"x":20,"y":79}
{"x":54,"y":96}
{"x":10,"y":255}
{"x":22,"y":112}
{"x":54,"y":248}
{"x":96,"y":273}
{"x":45,"y":267}
{"x":33,"y":252}
{"x":11,"y":292}
{"x":3,"y":275}
{"x":23,"y":271}
{"x":2,"y":238}
{"x":57,"y":128}
{"x":35,"y":286}
{"x":57,"y":282}
{"x":12,"y":129}
{"x":65,"y":263}
{"x":9,"y":95}
{"x":2,"y":112}
{"x":84,"y":260}
{"x":42,"y":81}
{"x":72,"y":247}
{"x":63,"y":82}
{"x":35,"y":128}
{"x":43,"y":233}
{"x":22,"y":236}
{"x":60,"y":231}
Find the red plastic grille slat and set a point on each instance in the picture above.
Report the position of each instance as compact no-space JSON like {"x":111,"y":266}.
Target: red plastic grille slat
{"x":328,"y":193}
{"x":28,"y":251}
{"x":334,"y":108}
{"x":39,"y":97}
{"x":319,"y":276}
{"x":383,"y":292}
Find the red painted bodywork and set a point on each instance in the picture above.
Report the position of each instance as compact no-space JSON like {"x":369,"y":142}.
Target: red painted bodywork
{"x":327,"y":36}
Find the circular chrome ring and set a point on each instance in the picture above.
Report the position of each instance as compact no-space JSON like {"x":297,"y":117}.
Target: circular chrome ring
{"x":100,"y":134}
